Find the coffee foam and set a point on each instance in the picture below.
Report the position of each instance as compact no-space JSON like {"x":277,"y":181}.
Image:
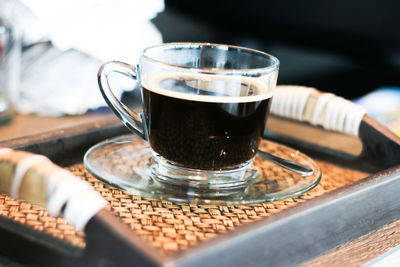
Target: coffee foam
{"x":261,"y":90}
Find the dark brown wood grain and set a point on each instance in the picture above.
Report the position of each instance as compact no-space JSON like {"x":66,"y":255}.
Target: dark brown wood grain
{"x":380,"y":148}
{"x":361,"y":250}
{"x":73,"y":141}
{"x":111,"y":243}
{"x":30,"y":125}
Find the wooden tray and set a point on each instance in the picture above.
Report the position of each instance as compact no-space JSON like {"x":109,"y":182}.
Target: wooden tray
{"x":347,"y":204}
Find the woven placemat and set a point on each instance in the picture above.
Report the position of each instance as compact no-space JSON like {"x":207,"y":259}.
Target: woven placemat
{"x":167,"y":225}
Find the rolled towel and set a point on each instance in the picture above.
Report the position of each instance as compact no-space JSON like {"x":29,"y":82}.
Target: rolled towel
{"x":320,"y":109}
{"x":36,"y":179}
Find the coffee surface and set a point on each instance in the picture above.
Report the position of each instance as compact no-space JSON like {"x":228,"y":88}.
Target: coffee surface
{"x":201,"y":124}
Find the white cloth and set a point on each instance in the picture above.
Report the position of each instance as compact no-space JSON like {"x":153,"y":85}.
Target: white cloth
{"x":61,"y":80}
{"x":107,"y":30}
{"x":80,"y":200}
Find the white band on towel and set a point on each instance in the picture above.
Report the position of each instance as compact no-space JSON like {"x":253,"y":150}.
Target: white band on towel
{"x":81,"y":202}
{"x":61,"y":186}
{"x":343,"y":113}
{"x":319,"y":107}
{"x":353,"y":120}
{"x":5,"y":151}
{"x":290,"y":101}
{"x":302,"y":102}
{"x":82,"y":206}
{"x":22,"y":167}
{"x":288,"y":104}
{"x":64,"y":190}
{"x":294,"y":103}
{"x":329,"y":111}
{"x":276,"y":102}
{"x":332,"y":110}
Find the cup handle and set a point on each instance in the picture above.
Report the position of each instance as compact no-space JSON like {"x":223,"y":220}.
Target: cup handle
{"x":133,"y":121}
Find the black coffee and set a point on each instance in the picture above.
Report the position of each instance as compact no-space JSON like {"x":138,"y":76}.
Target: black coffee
{"x":199,"y":131}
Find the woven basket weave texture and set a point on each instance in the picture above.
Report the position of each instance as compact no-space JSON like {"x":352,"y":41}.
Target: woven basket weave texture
{"x":169,"y":226}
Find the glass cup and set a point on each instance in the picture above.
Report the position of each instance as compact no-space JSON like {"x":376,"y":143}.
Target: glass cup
{"x":205,"y":108}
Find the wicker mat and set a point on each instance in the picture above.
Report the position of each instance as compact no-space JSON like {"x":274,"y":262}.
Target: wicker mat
{"x":167,"y":225}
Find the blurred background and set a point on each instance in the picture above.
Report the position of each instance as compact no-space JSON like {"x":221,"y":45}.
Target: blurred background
{"x":50,"y":51}
{"x":346,"y":47}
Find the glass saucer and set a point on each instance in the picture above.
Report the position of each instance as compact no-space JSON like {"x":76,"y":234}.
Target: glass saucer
{"x":127,"y":162}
